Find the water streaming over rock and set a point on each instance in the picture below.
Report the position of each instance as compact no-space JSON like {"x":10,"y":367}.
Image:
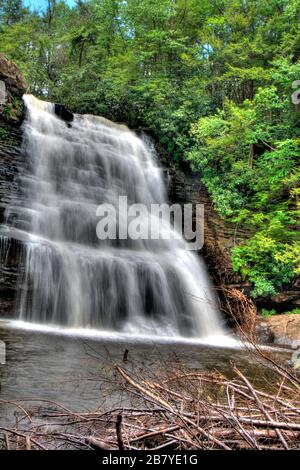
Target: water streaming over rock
{"x":72,"y":278}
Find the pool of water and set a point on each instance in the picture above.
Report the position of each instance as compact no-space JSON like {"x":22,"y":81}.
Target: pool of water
{"x":76,"y":370}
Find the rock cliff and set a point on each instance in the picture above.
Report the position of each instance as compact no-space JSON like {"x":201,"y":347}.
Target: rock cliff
{"x":219,"y":238}
{"x":12,"y":87}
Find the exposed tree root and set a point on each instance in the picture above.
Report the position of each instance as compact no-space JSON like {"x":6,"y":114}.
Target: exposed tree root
{"x":239,"y":307}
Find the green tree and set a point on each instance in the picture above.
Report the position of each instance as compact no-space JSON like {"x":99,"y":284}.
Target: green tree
{"x":11,"y":11}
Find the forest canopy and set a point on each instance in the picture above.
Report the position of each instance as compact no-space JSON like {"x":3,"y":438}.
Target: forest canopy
{"x":211,"y":80}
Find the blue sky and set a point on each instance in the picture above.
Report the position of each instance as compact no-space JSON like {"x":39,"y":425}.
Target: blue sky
{"x":41,"y":4}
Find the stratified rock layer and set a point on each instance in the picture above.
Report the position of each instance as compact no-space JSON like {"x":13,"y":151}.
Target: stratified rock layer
{"x":11,"y":113}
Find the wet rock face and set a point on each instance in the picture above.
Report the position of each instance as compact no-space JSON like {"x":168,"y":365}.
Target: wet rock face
{"x":11,"y":113}
{"x":12,"y":265}
{"x":12,"y":87}
{"x":10,"y":160}
{"x":219,"y":237}
{"x":63,"y":113}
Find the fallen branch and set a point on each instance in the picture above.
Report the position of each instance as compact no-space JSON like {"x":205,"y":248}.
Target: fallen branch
{"x":174,"y":409}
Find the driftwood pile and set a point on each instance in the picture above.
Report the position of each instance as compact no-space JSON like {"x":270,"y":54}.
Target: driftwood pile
{"x":180,"y":409}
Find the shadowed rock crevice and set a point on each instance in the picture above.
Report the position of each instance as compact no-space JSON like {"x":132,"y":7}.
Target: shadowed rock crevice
{"x":63,"y":113}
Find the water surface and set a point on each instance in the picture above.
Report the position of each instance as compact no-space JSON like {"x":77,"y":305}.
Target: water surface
{"x":77,"y":371}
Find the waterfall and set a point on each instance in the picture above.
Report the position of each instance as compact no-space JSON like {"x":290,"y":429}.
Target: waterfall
{"x":72,"y":278}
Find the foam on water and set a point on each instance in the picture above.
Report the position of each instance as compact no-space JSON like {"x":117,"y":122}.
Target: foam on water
{"x":219,"y":341}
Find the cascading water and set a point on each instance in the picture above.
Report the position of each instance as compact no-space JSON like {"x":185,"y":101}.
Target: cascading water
{"x":72,"y":278}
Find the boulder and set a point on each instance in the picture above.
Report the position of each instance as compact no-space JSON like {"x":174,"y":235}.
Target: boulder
{"x":12,"y":87}
{"x":280,"y":329}
{"x":11,"y":75}
{"x":63,"y":113}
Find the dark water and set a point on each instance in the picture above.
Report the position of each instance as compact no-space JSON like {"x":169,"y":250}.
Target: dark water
{"x":77,"y":372}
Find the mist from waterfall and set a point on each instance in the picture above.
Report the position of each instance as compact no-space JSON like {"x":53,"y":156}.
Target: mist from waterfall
{"x":74,"y":280}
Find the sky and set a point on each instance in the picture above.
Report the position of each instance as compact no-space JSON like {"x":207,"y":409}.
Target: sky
{"x":41,"y":4}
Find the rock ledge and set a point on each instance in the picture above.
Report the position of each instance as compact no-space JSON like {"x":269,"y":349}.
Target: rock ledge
{"x":280,"y":329}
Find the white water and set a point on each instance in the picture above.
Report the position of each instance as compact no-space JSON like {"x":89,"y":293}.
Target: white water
{"x":218,"y":341}
{"x":74,"y":280}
